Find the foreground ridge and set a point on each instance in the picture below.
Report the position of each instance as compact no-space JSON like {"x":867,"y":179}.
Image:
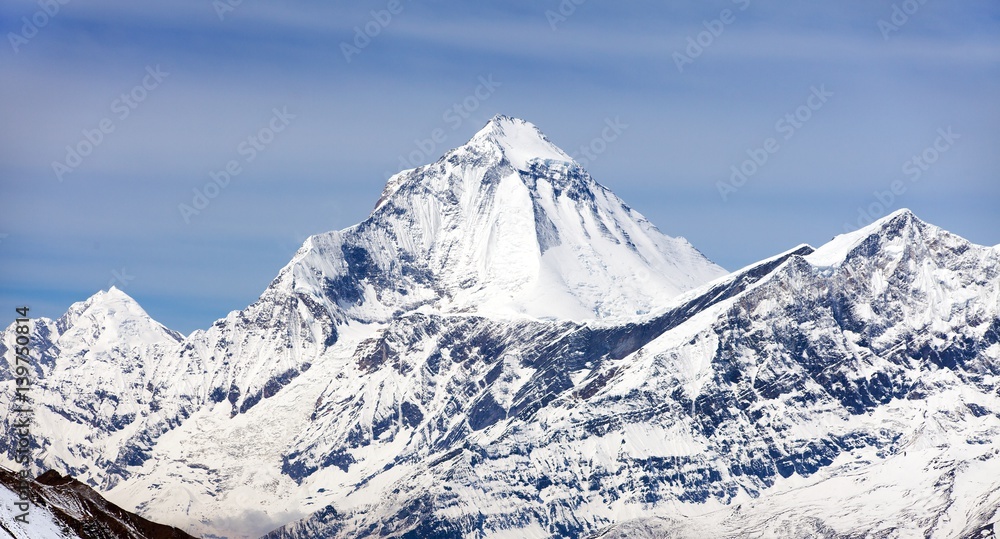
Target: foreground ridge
{"x":63,"y":508}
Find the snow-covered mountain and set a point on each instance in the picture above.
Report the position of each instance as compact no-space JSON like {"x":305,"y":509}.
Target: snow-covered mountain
{"x":506,"y":225}
{"x":93,"y":385}
{"x":505,"y":349}
{"x":848,"y":391}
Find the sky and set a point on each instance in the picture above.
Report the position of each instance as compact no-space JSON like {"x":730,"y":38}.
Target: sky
{"x":746,"y":126}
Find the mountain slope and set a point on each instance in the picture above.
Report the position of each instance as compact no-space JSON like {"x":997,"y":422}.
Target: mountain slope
{"x":853,"y":387}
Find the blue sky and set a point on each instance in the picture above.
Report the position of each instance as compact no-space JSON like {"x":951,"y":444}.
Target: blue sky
{"x":692,"y":113}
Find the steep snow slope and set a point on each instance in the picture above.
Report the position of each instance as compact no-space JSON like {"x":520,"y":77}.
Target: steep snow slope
{"x":507,"y":224}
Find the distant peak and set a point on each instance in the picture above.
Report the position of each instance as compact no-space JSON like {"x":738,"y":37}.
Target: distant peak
{"x":114,"y":308}
{"x":113,"y":300}
{"x":500,"y":121}
{"x":520,"y":141}
{"x":113,"y":294}
{"x":893,"y":225}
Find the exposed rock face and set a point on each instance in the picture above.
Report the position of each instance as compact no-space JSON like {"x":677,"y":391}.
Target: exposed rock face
{"x":64,"y":508}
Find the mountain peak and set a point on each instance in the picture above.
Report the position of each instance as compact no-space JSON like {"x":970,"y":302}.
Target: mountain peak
{"x":505,"y":224}
{"x":520,"y":141}
{"x":113,"y":299}
{"x":501,"y":125}
{"x":892,"y":226}
{"x":503,"y":139}
{"x":113,"y":308}
{"x":115,"y":293}
{"x":902,"y":215}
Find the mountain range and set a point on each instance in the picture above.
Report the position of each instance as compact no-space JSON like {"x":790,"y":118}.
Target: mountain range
{"x":504,"y":348}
